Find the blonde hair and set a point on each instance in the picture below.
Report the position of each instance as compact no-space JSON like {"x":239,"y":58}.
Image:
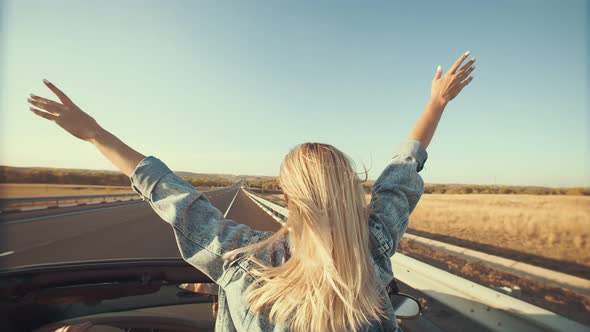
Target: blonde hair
{"x":328,"y":283}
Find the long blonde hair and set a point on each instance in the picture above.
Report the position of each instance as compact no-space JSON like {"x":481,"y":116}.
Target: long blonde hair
{"x":328,"y":283}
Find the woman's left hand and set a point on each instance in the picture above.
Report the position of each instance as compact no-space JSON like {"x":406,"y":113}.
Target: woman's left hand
{"x":67,"y":115}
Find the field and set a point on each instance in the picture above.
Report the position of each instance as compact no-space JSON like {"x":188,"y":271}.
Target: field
{"x":555,"y":227}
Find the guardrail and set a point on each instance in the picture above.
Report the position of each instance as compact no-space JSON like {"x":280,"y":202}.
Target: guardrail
{"x":32,"y":203}
{"x":275,"y":210}
{"x":495,"y":310}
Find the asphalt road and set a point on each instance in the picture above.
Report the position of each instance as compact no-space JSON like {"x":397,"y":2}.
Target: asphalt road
{"x":106,"y":231}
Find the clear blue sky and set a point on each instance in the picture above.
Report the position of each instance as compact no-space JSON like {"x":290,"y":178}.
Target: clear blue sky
{"x":230,"y":87}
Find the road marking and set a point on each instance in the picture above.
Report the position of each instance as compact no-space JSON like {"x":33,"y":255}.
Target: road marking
{"x":6,"y":253}
{"x":232,"y":202}
{"x":66,"y":214}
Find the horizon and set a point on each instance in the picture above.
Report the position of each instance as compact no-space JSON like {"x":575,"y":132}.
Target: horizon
{"x":229,"y":88}
{"x":275,"y":176}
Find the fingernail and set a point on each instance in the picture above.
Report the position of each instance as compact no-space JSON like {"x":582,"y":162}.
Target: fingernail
{"x":32,"y":95}
{"x":439,"y":67}
{"x":473,"y":59}
{"x":46,"y":81}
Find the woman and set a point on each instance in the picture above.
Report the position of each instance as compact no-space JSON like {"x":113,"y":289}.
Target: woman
{"x":326,"y":269}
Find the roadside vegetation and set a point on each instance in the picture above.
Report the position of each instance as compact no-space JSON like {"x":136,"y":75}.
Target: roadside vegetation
{"x":89,"y":177}
{"x":273,"y":184}
{"x":10,"y":174}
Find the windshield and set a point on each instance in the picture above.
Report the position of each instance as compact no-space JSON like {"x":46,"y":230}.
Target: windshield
{"x":220,"y":93}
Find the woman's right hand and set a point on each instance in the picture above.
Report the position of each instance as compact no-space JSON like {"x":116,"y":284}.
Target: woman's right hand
{"x":447,"y":87}
{"x":65,"y":114}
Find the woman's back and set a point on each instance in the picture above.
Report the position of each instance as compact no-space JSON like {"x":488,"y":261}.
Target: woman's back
{"x":233,"y":314}
{"x":204,"y":236}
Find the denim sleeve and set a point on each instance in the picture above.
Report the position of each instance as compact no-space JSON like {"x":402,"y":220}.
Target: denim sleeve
{"x":394,"y":196}
{"x":202,"y":233}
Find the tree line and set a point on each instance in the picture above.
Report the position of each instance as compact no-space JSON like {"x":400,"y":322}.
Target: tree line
{"x":273,"y":185}
{"x":10,"y":174}
{"x":88,"y":177}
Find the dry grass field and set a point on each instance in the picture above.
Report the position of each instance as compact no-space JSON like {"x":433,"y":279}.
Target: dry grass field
{"x":556,"y":227}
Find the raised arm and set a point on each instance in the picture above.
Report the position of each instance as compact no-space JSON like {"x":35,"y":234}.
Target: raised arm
{"x":444,"y":89}
{"x":81,"y":125}
{"x":202,"y":233}
{"x":398,"y":189}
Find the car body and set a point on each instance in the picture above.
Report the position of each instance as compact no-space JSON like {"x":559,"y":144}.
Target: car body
{"x":124,"y":293}
{"x":166,"y":294}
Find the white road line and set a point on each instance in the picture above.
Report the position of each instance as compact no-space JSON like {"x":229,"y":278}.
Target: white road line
{"x":66,"y":214}
{"x":232,"y":202}
{"x":6,"y":253}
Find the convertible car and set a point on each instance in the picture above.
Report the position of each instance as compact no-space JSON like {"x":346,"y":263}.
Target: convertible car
{"x":164,"y":294}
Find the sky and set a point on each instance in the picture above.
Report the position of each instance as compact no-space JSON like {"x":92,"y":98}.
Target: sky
{"x":231,"y":86}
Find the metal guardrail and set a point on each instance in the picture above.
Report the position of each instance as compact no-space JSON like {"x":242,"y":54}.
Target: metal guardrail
{"x":495,"y":310}
{"x":16,"y":204}
{"x":58,"y":198}
{"x":275,"y":209}
{"x":31,"y":203}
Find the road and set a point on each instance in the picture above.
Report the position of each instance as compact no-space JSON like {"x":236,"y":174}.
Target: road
{"x":106,"y":231}
{"x":134,"y":230}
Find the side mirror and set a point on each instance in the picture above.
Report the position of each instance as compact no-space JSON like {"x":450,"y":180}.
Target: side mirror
{"x":405,"y":306}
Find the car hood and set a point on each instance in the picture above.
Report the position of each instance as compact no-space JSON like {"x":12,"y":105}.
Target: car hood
{"x":54,"y":292}
{"x":18,"y":279}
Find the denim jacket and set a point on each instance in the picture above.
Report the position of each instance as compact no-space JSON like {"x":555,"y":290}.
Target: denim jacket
{"x":203,"y":235}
